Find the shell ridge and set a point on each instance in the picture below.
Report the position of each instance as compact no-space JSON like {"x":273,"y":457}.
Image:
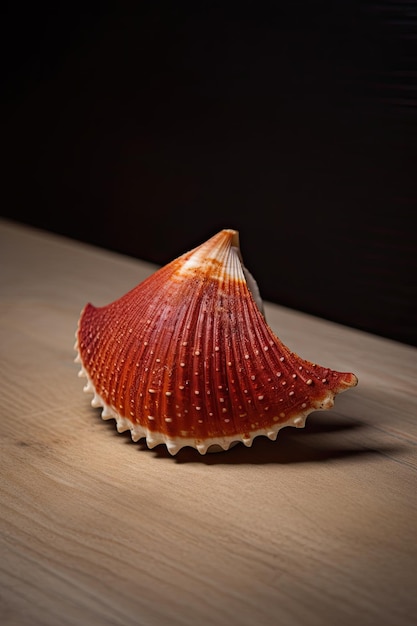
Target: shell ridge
{"x":226,"y":328}
{"x":184,"y":370}
{"x":216,"y":340}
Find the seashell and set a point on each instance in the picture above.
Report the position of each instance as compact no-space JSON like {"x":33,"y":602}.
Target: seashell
{"x":187,"y":358}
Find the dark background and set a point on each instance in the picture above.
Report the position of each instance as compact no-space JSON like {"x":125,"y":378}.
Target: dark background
{"x":146,"y":127}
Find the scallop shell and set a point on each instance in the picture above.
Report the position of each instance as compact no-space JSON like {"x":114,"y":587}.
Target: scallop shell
{"x":186,"y":358}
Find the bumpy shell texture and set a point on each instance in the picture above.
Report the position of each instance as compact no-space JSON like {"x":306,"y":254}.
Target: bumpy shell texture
{"x":186,"y":358}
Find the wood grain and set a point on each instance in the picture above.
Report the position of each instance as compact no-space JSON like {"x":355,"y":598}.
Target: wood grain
{"x":316,"y":528}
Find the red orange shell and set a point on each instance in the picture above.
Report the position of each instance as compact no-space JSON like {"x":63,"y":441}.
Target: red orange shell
{"x":186,"y":358}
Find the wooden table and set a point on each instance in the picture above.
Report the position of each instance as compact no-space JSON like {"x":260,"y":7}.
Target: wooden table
{"x":319,"y":527}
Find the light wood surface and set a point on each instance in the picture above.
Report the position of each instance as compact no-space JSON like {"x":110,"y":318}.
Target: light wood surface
{"x":319,"y":527}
